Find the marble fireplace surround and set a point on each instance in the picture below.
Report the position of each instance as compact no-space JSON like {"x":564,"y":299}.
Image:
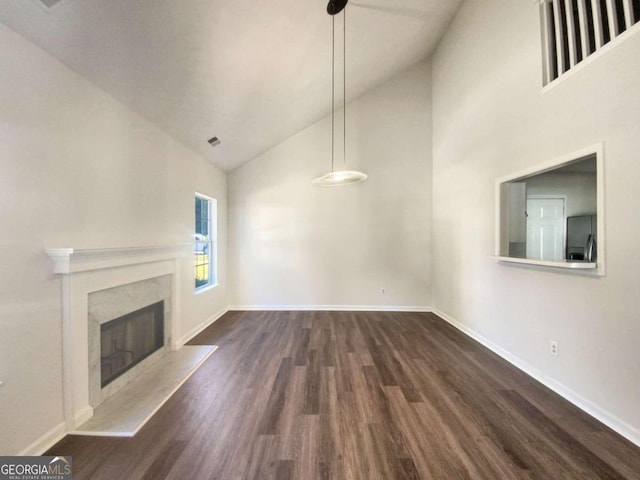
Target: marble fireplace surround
{"x":85,"y":272}
{"x":112,"y":303}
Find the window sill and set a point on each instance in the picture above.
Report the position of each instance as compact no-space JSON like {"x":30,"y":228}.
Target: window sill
{"x":205,"y":288}
{"x":548,"y":263}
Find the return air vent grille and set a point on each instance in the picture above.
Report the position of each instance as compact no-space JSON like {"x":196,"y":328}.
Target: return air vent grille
{"x":574,"y":29}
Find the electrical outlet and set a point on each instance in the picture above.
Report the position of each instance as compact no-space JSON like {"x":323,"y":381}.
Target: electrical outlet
{"x":553,"y":348}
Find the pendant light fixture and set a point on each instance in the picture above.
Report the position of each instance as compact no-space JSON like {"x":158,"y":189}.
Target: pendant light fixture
{"x":338,"y":177}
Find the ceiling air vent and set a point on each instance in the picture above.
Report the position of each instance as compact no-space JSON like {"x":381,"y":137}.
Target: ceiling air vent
{"x":49,"y":4}
{"x":214,"y":141}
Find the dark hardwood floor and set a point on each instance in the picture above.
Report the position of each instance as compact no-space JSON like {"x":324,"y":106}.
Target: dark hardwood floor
{"x":342,"y":395}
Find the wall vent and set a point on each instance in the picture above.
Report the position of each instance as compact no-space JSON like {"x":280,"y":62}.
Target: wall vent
{"x":574,"y":29}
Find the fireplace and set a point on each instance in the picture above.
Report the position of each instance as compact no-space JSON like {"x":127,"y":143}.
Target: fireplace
{"x":129,"y":339}
{"x":98,"y":286}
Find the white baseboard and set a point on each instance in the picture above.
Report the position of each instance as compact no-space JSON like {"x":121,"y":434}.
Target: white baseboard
{"x":84,"y":415}
{"x":332,"y":308}
{"x":46,"y":441}
{"x":199,"y":328}
{"x":629,"y":432}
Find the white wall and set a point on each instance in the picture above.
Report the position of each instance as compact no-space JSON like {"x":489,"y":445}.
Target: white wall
{"x":77,"y":169}
{"x":291,"y":243}
{"x":491,"y":119}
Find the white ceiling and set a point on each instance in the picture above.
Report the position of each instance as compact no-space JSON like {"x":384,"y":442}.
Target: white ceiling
{"x":251,"y":72}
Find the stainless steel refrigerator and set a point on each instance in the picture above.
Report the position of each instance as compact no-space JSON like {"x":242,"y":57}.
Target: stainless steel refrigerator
{"x":581,"y":238}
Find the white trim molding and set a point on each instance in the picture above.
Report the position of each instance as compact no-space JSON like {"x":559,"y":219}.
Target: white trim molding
{"x":45,"y":442}
{"x":200,"y":327}
{"x":628,"y":431}
{"x":71,"y":260}
{"x":549,"y":263}
{"x":331,"y":308}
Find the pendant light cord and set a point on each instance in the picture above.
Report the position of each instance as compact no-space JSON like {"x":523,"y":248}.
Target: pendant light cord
{"x":342,"y":176}
{"x":333,"y":86}
{"x":344,"y":88}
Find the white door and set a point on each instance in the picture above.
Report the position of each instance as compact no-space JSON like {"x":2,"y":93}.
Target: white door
{"x":545,"y":228}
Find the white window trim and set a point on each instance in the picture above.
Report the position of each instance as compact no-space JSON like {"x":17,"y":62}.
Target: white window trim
{"x":206,"y":288}
{"x":213,"y":239}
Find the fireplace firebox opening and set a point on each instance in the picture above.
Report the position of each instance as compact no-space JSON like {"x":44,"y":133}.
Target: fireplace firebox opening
{"x":127,"y":340}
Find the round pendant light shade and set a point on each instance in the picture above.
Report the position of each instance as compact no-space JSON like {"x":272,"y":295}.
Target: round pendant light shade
{"x":342,"y":177}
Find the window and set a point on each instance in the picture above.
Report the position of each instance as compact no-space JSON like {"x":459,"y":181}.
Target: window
{"x":574,"y":29}
{"x":204,"y":245}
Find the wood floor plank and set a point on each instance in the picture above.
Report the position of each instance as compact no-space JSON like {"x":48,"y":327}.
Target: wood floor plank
{"x":284,"y":470}
{"x":356,"y":396}
{"x":271,"y":415}
{"x":161,"y":466}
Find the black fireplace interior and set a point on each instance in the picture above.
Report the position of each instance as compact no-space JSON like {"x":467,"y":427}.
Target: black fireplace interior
{"x":127,"y":340}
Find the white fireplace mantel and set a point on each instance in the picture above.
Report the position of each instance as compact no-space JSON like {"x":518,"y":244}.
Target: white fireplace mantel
{"x":73,"y":260}
{"x":84,"y":271}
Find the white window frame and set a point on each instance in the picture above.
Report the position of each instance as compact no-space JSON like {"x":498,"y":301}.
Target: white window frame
{"x":212,"y":244}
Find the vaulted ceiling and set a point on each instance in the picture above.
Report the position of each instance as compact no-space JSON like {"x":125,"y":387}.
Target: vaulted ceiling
{"x":251,"y":72}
